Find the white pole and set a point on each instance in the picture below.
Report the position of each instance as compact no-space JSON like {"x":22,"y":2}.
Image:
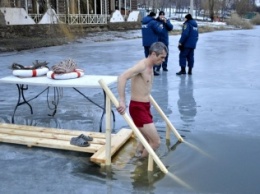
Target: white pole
{"x":87,"y":6}
{"x":37,"y":8}
{"x":26,"y":6}
{"x":108,"y":131}
{"x":95,"y":5}
{"x":101,"y":8}
{"x":191,"y":7}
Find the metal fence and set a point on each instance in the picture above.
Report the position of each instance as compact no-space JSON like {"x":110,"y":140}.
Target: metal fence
{"x":75,"y":18}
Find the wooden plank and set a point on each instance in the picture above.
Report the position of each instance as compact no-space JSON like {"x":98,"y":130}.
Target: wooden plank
{"x":43,"y":134}
{"x":48,"y":143}
{"x":53,"y":130}
{"x":116,"y":143}
{"x":60,"y":139}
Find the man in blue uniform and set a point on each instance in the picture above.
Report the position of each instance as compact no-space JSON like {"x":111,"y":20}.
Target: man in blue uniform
{"x":164,"y":36}
{"x":151,"y":30}
{"x":187,"y":44}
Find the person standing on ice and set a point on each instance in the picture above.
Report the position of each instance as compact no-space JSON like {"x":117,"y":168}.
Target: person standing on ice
{"x":151,"y":29}
{"x":187,"y":44}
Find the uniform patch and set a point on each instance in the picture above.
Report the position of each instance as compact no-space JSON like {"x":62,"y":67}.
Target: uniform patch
{"x":184,"y":26}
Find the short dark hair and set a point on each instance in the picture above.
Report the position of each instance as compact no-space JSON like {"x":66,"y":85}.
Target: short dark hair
{"x":152,"y":14}
{"x":161,"y":13}
{"x":188,"y":17}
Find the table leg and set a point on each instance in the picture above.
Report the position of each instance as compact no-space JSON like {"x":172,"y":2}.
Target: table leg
{"x":21,"y":89}
{"x":103,"y":108}
{"x":22,"y":100}
{"x":104,"y":112}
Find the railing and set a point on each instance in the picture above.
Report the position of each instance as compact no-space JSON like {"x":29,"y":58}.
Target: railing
{"x":75,"y":18}
{"x":36,"y":17}
{"x":152,"y":155}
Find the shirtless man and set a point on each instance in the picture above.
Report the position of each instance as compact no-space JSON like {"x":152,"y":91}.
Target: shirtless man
{"x":141,"y":75}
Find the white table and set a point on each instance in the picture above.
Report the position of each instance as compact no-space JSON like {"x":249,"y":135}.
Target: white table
{"x":86,"y":81}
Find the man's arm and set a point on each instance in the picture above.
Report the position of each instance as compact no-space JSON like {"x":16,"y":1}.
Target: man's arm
{"x":169,"y":25}
{"x":185,"y":33}
{"x":157,"y":27}
{"x":121,"y":84}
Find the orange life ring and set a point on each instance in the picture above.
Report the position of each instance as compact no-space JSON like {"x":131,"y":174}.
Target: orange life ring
{"x":30,"y":72}
{"x":75,"y":74}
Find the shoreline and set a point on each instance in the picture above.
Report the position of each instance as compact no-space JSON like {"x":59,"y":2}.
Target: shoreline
{"x":27,"y":43}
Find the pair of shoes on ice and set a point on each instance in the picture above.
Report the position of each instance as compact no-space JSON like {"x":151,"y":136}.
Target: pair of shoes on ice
{"x":81,"y":141}
{"x":183,"y":71}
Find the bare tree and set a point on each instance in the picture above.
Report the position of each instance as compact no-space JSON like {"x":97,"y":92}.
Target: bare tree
{"x":211,"y":9}
{"x":244,"y":6}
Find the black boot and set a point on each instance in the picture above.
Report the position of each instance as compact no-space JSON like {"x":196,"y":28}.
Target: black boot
{"x":190,"y":71}
{"x":182,"y":71}
{"x":155,"y":73}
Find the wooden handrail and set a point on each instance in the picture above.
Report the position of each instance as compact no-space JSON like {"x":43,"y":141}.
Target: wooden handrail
{"x":164,"y":117}
{"x":135,"y":129}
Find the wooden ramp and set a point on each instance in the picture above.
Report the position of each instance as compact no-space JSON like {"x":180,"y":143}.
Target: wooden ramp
{"x":60,"y":139}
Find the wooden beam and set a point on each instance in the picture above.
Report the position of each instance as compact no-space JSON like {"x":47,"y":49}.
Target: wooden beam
{"x":116,"y":143}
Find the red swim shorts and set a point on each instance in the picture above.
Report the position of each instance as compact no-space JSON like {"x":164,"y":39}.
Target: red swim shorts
{"x":140,"y":113}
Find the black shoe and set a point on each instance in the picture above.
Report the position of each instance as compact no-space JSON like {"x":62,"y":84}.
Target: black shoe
{"x":190,"y":71}
{"x":156,"y":73}
{"x":181,"y":73}
{"x":165,"y":69}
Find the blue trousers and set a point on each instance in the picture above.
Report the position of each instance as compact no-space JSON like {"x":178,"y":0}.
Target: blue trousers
{"x":186,"y":55}
{"x":146,"y":51}
{"x":164,"y":64}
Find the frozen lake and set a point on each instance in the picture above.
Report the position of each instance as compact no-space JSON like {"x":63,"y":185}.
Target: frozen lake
{"x":216,"y":109}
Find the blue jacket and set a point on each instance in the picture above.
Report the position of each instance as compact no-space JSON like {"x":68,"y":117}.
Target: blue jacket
{"x":190,"y":34}
{"x":164,"y":36}
{"x":150,"y":30}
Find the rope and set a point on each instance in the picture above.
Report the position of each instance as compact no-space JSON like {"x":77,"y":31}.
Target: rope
{"x":36,"y":65}
{"x":58,"y":94}
{"x":65,"y":66}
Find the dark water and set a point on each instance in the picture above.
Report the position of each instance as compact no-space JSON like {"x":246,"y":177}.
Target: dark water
{"x":216,"y":110}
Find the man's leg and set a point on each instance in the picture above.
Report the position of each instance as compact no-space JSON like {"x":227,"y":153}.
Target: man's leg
{"x":182,"y":60}
{"x":164,"y":64}
{"x":190,"y":59}
{"x":146,"y":51}
{"x":151,"y":135}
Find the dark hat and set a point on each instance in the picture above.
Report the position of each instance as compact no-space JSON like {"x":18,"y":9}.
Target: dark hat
{"x":152,"y":14}
{"x":161,"y":13}
{"x":188,"y":17}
